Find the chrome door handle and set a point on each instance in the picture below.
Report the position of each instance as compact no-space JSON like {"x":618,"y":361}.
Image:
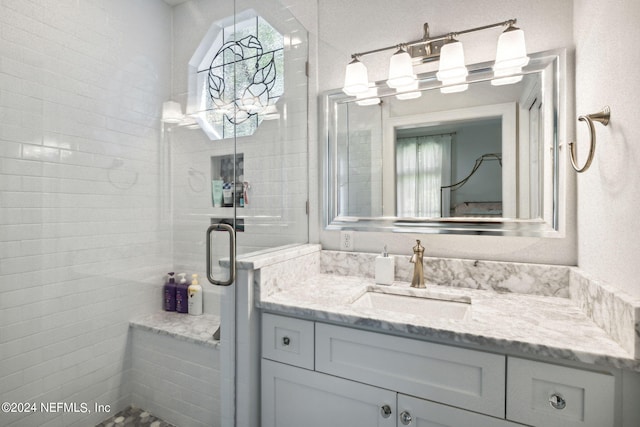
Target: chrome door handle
{"x":232,"y":254}
{"x":406,"y":418}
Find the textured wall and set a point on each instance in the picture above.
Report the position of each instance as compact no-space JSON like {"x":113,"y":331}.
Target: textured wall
{"x":607,"y":62}
{"x":81,"y":234}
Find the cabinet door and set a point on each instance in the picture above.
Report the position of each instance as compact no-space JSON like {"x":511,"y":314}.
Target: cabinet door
{"x":423,"y":413}
{"x":295,"y":397}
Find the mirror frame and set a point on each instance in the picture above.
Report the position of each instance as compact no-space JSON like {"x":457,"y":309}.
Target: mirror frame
{"x":541,"y":62}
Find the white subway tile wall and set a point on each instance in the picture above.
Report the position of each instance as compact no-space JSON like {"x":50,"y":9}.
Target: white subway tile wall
{"x":84,"y":241}
{"x":175,"y":380}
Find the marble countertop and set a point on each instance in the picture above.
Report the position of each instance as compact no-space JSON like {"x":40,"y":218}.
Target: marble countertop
{"x":511,"y":323}
{"x":194,"y":329}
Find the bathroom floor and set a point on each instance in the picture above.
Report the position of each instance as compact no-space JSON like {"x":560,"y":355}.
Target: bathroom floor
{"x":134,"y":417}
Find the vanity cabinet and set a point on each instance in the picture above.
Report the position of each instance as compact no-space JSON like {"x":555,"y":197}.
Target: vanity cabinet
{"x":320,"y":375}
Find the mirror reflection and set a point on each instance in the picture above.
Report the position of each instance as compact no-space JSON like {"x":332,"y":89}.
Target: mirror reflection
{"x":483,"y":156}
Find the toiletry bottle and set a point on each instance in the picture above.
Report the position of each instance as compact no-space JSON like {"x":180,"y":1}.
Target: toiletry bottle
{"x":169,"y":293}
{"x":195,"y":296}
{"x":216,"y":192}
{"x":385,"y":268}
{"x":181,"y":294}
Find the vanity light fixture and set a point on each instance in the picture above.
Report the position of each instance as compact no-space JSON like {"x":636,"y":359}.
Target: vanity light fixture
{"x":400,"y":69}
{"x":356,"y":79}
{"x":511,"y":56}
{"x":452,"y":72}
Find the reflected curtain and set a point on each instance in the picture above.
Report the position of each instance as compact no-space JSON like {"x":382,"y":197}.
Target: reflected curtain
{"x":423,"y":165}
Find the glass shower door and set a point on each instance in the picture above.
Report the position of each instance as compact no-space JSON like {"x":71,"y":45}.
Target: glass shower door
{"x":240,"y":169}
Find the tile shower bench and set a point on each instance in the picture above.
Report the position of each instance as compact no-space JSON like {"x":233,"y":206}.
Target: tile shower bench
{"x":175,"y":367}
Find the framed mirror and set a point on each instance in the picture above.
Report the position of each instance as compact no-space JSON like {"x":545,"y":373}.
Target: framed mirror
{"x":480,"y":161}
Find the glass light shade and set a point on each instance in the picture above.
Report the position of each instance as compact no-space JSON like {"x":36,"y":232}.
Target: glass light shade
{"x":512,"y":51}
{"x":370,"y":97}
{"x":454,"y":88}
{"x":356,"y":79}
{"x":171,"y":112}
{"x":506,"y":76}
{"x":408,"y":92}
{"x":451,"y":62}
{"x":400,"y":70}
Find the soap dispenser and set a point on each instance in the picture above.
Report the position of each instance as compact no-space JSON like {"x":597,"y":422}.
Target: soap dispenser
{"x":195,"y":296}
{"x":169,"y":293}
{"x":181,"y":294}
{"x":385,"y":268}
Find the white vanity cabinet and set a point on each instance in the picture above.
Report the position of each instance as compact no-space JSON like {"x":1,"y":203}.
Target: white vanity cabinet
{"x":320,"y":375}
{"x":296,"y":397}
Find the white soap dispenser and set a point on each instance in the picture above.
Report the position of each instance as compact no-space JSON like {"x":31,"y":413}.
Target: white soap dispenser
{"x":195,"y":296}
{"x":385,"y":268}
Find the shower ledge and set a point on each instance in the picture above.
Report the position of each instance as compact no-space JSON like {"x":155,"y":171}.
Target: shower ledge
{"x":195,"y":329}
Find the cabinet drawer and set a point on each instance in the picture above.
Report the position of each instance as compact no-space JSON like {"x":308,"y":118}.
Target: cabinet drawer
{"x":287,"y":340}
{"x":549,"y":395}
{"x":418,"y":412}
{"x":464,"y":378}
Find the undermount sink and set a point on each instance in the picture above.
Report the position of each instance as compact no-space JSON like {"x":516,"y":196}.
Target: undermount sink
{"x":418,"y":305}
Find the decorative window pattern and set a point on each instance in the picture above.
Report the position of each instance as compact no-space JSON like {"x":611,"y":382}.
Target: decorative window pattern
{"x":241,"y":78}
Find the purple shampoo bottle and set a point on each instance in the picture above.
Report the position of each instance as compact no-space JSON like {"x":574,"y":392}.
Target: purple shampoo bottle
{"x":182,"y":299}
{"x":169,"y":293}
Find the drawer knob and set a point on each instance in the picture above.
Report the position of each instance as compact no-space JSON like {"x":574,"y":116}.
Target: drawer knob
{"x":385,"y":411}
{"x":405,"y":418}
{"x":557,"y":401}
{"x":286,"y":341}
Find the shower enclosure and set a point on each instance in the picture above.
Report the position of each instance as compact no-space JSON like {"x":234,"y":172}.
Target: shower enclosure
{"x":99,"y":198}
{"x":244,"y":82}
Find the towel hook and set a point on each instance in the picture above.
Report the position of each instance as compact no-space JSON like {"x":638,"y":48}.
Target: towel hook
{"x":602,"y":117}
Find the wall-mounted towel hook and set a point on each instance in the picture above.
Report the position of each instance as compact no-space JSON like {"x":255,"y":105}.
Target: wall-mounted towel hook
{"x":602,"y":117}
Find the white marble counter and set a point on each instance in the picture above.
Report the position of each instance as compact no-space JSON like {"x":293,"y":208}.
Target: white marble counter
{"x":513,"y":323}
{"x":194,"y":329}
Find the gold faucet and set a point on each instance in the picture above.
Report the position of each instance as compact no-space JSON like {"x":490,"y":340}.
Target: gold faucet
{"x":418,"y":271}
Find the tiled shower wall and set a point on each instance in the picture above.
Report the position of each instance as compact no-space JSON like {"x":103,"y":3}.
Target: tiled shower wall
{"x":82,"y":228}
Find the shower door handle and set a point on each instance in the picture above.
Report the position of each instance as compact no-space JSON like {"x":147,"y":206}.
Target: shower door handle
{"x":232,"y":253}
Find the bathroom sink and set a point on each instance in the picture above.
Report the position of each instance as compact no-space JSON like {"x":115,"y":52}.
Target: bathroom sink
{"x":423,"y":306}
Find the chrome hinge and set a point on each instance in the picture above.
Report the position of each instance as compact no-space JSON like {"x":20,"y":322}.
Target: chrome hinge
{"x":306,"y":68}
{"x":307,"y":207}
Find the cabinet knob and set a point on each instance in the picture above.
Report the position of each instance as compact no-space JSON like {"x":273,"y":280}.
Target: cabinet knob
{"x":286,"y":341}
{"x":405,"y":418}
{"x":385,"y":411}
{"x":557,"y":401}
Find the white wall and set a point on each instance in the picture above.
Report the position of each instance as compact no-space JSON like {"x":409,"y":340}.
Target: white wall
{"x":607,"y":62}
{"x":82,"y":242}
{"x":359,"y":25}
